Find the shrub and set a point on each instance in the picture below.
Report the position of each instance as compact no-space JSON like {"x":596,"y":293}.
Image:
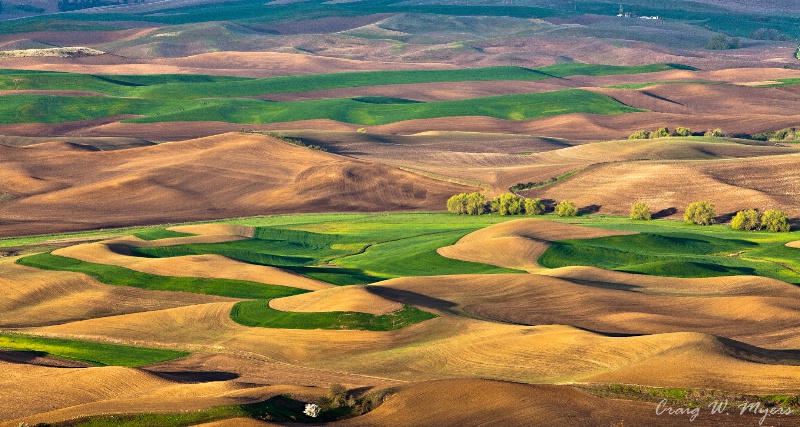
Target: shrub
{"x":640,"y":211}
{"x":312,"y":410}
{"x":723,"y":42}
{"x":660,"y":133}
{"x":701,"y":213}
{"x":566,"y":208}
{"x":745,"y":220}
{"x":682,"y":131}
{"x":507,"y":204}
{"x":338,"y":395}
{"x":775,"y":221}
{"x":534,"y":206}
{"x":640,"y":134}
{"x":718,"y":133}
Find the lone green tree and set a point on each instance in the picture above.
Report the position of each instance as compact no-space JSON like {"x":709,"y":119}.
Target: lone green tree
{"x":507,"y":204}
{"x":775,"y":221}
{"x":566,"y":208}
{"x":640,"y":211}
{"x":701,"y":213}
{"x":534,"y":206}
{"x":745,"y":220}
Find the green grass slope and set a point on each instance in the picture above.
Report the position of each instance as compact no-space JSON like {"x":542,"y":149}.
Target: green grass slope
{"x":669,"y":248}
{"x":93,"y":353}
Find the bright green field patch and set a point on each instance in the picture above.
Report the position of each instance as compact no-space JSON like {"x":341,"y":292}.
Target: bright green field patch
{"x":673,"y":82}
{"x":113,"y":275}
{"x":365,"y":250}
{"x":259,"y":313}
{"x":160,"y":233}
{"x":176,"y":86}
{"x":674,"y":249}
{"x":508,"y":107}
{"x":55,"y":109}
{"x":92,"y":353}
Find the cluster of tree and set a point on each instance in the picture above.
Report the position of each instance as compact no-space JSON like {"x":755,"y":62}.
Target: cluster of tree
{"x":661,"y":133}
{"x":339,"y":397}
{"x":504,"y":204}
{"x":284,"y":138}
{"x":769,"y":34}
{"x":702,"y":213}
{"x":722,"y":41}
{"x":788,"y":134}
{"x":771,"y":220}
{"x":521,"y":186}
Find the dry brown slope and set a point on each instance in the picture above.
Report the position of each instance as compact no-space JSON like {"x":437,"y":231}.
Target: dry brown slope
{"x":476,"y":402}
{"x":34,"y":297}
{"x":117,"y":252}
{"x":453,"y":346}
{"x":223,"y":176}
{"x":731,"y":184}
{"x":343,"y":298}
{"x":754,"y":310}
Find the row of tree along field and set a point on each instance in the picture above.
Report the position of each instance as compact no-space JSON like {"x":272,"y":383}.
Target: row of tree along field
{"x":504,"y":204}
{"x":700,"y":213}
{"x":703,"y":213}
{"x":788,"y":134}
{"x":679,"y":131}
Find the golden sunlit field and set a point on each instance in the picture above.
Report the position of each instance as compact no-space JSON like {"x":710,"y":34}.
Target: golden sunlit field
{"x":394,"y":213}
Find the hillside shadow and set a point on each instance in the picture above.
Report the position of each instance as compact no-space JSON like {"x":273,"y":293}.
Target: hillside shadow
{"x":663,"y":213}
{"x":39,"y":358}
{"x":609,"y":334}
{"x":187,"y":377}
{"x":726,"y":217}
{"x":591,"y":209}
{"x":413,"y":298}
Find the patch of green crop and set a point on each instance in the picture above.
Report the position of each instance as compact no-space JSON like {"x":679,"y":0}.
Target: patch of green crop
{"x":120,"y":276}
{"x":259,"y":313}
{"x":671,"y":82}
{"x":193,"y":86}
{"x":366,"y":249}
{"x":89,"y":352}
{"x":160,"y":233}
{"x":676,"y":249}
{"x":508,"y":107}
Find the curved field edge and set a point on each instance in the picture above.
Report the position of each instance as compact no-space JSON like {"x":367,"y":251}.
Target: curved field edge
{"x":345,"y":254}
{"x":281,"y":408}
{"x":26,"y":108}
{"x":248,"y":313}
{"x":664,"y":249}
{"x":178,"y":86}
{"x":260,"y":314}
{"x":98,"y":354}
